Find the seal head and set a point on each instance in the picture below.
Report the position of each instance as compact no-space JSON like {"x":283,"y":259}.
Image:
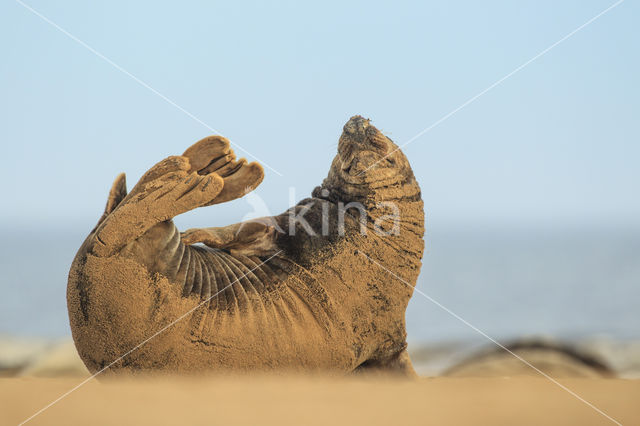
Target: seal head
{"x":366,"y":161}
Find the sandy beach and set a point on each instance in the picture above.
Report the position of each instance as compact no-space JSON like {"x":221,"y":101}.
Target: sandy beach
{"x":245,"y":400}
{"x":498,"y":390}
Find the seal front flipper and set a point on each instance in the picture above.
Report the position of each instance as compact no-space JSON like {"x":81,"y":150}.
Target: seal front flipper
{"x":253,"y":238}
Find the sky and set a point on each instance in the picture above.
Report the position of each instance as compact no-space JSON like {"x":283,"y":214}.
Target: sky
{"x":555,"y":144}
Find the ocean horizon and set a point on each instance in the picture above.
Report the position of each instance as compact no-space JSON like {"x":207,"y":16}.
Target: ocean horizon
{"x":563,"y":284}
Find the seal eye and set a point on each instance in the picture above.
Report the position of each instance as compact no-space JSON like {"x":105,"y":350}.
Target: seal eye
{"x":377,"y":140}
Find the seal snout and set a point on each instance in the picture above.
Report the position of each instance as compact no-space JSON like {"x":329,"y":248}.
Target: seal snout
{"x":356,"y":126}
{"x":361,"y":145}
{"x":360,"y":135}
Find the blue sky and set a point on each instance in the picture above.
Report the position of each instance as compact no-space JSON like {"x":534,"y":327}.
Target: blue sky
{"x":555,"y":144}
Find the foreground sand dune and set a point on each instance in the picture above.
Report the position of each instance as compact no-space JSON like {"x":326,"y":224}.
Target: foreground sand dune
{"x":509,"y":393}
{"x":319,"y":401}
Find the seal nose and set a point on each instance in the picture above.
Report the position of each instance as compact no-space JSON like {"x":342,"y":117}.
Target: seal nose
{"x":360,"y":134}
{"x":357,"y":125}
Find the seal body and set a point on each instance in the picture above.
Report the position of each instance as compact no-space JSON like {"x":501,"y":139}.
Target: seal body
{"x":306,"y":290}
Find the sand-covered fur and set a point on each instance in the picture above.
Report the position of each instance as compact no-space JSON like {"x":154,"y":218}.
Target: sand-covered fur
{"x":299,"y":291}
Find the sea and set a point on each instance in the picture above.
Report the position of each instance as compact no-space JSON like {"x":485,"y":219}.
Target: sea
{"x":475,"y":285}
